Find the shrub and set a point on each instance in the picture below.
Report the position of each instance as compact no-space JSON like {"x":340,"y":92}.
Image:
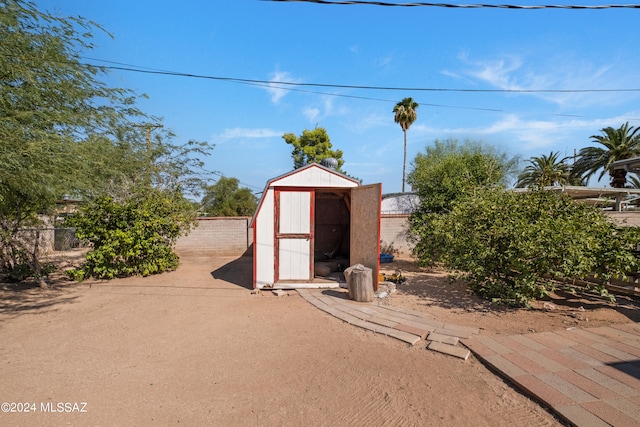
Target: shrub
{"x":512,"y":247}
{"x":133,"y":237}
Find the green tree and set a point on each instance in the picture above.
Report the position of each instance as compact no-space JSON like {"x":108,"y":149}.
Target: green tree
{"x":64,"y":131}
{"x":312,"y":147}
{"x":49,"y":100}
{"x":545,"y":171}
{"x":405,"y":114}
{"x":448,"y":170}
{"x":514,"y":247}
{"x":616,"y":144}
{"x":225,"y":198}
{"x":133,"y":236}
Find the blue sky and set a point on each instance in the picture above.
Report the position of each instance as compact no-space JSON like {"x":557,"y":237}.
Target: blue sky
{"x":366,"y":45}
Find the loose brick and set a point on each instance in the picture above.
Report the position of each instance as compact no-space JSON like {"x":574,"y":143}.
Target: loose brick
{"x":422,"y":333}
{"x":451,"y":350}
{"x":402,"y":336}
{"x":445,"y":339}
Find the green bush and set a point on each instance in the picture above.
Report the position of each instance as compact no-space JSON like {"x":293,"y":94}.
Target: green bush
{"x":133,"y":237}
{"x":513,"y":247}
{"x":22,"y":267}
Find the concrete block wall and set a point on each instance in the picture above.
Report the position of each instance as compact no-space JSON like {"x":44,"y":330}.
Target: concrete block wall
{"x":624,"y":218}
{"x":393,"y":232}
{"x":226,"y":236}
{"x":231,"y":236}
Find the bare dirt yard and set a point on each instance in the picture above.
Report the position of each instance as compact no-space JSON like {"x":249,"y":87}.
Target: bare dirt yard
{"x":197,"y":347}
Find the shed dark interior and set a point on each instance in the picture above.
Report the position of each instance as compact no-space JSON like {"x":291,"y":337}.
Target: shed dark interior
{"x":331,"y":230}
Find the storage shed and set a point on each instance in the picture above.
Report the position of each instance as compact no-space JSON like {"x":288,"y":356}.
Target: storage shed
{"x":310,"y":225}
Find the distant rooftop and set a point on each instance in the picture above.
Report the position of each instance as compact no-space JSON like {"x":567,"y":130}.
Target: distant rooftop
{"x":399,"y":203}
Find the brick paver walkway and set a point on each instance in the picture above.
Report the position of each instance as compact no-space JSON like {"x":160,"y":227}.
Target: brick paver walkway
{"x":404,"y":325}
{"x":589,"y":377}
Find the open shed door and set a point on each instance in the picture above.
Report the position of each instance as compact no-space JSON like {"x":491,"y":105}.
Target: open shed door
{"x":365,"y":228}
{"x":294,"y":235}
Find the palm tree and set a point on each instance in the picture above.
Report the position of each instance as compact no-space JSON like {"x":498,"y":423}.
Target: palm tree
{"x":405,"y":115}
{"x":619,"y":144}
{"x":545,"y":171}
{"x":635,"y":181}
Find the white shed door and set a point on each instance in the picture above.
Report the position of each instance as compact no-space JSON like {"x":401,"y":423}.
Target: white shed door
{"x":294,"y":235}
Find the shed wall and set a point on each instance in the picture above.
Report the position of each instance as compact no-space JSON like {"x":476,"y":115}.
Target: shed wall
{"x":264,"y":251}
{"x":313,"y":177}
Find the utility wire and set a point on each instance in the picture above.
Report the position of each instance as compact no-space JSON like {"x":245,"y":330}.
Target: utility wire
{"x":344,"y":86}
{"x":466,"y":6}
{"x":286,"y":86}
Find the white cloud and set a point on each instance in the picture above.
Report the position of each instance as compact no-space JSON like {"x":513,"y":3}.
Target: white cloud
{"x":538,"y":73}
{"x":535,"y":135}
{"x":234,"y":133}
{"x":383,"y":61}
{"x":278,"y":91}
{"x":311,"y":113}
{"x":324,"y":109}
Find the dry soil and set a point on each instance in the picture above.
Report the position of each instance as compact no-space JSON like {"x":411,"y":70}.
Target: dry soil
{"x":197,"y":347}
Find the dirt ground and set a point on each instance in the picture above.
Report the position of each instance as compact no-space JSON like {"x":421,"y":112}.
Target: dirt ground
{"x":196,"y":347}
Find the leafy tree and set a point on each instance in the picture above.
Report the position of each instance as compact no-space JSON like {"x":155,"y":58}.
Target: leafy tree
{"x":49,"y":101}
{"x":133,"y":236}
{"x":617,"y":144}
{"x":545,"y":171}
{"x":64,"y":131}
{"x":448,"y":170}
{"x":312,"y":147}
{"x":510,"y":247}
{"x":405,"y":114}
{"x":225,"y":198}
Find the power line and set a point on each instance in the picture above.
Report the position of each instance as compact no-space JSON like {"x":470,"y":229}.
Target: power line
{"x":466,"y":6}
{"x":291,"y":86}
{"x":270,"y":83}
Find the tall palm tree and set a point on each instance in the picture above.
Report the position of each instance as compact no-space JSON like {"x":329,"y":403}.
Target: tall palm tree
{"x":545,"y":171}
{"x":405,"y":115}
{"x":619,"y":144}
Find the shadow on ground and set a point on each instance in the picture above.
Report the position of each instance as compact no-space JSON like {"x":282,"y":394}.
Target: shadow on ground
{"x":20,"y":298}
{"x":238,"y":272}
{"x":432,"y":286}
